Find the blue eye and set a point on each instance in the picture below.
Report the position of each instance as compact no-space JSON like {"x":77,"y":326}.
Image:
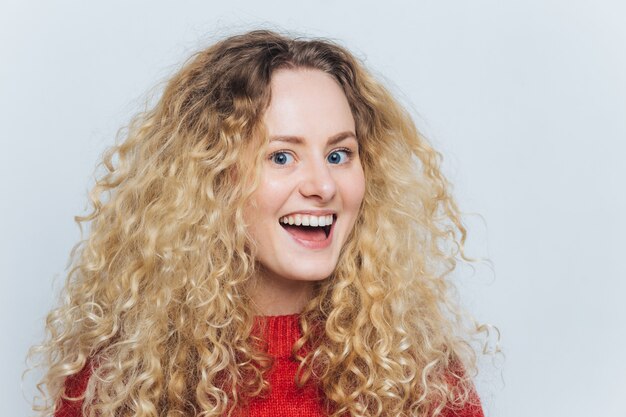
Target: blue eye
{"x":281,"y":158}
{"x":335,"y":157}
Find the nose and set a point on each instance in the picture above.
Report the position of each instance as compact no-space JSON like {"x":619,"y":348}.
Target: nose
{"x":318,"y":181}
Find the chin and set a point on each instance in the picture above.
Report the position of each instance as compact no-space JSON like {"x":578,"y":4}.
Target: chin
{"x":311,"y":276}
{"x":311,"y":272}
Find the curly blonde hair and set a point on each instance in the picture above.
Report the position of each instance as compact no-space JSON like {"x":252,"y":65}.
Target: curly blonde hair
{"x":156,"y":302}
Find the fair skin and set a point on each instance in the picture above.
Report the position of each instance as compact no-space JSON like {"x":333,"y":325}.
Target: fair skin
{"x":311,"y":189}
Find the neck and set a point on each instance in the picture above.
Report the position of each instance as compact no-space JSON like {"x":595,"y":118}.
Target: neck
{"x":275,"y":296}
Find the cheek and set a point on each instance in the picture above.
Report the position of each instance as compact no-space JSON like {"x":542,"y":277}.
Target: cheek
{"x":355,"y":190}
{"x":270,"y":197}
{"x":275,"y":187}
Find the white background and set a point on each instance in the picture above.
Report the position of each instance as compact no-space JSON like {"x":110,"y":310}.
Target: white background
{"x":525,"y":99}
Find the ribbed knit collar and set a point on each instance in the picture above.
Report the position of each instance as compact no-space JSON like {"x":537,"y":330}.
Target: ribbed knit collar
{"x":281,"y":333}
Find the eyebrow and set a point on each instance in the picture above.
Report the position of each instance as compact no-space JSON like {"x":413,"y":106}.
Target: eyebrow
{"x":299,"y":140}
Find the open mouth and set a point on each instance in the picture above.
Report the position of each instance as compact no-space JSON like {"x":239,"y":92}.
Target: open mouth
{"x":307,"y":231}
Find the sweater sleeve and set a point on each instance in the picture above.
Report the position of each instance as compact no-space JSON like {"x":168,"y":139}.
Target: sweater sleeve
{"x":472,"y":407}
{"x":75,"y":386}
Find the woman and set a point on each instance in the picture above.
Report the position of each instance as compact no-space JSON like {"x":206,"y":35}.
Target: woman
{"x":272,"y":238}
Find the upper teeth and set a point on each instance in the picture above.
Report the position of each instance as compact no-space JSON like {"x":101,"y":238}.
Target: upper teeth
{"x":308,"y":220}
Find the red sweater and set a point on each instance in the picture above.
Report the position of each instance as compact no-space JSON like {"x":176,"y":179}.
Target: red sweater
{"x":284,"y":399}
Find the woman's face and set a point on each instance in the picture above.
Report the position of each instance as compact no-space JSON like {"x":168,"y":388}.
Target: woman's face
{"x":311,"y":176}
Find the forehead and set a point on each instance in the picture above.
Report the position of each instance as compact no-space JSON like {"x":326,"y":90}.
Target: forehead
{"x":307,"y":103}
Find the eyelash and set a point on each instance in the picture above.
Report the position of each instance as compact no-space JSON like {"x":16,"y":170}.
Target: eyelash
{"x":348,"y":152}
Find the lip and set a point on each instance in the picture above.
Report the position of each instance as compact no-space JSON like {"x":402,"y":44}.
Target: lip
{"x":311,"y":212}
{"x":312,"y":244}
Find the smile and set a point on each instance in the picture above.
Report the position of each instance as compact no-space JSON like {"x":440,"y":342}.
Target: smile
{"x":314,"y":232}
